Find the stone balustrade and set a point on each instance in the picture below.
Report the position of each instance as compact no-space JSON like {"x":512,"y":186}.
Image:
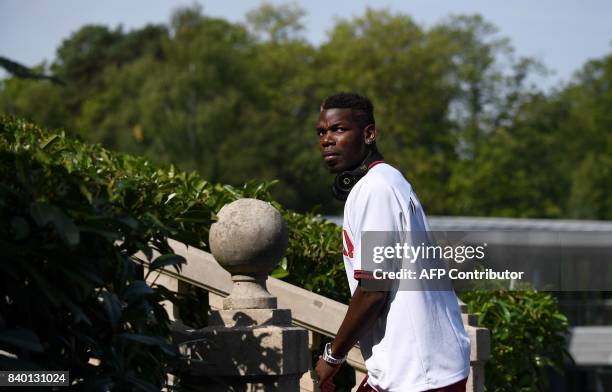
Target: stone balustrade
{"x":262,"y":327}
{"x":249,"y":344}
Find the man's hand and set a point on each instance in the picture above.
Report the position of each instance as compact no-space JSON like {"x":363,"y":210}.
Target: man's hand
{"x":325,"y":371}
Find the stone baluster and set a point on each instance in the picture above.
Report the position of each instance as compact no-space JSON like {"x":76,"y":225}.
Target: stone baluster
{"x":249,"y":345}
{"x":481,"y":349}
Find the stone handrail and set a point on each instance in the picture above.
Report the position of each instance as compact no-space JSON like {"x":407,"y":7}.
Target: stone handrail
{"x":309,"y":310}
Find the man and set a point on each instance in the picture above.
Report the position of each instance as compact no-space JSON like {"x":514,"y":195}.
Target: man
{"x":410,"y":340}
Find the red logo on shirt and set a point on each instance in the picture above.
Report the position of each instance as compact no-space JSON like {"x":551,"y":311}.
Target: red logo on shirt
{"x":349,"y":245}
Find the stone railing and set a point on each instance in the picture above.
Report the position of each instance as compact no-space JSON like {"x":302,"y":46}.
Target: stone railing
{"x":248,"y":310}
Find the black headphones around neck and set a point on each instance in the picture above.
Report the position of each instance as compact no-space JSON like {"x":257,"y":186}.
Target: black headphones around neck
{"x":346,"y":180}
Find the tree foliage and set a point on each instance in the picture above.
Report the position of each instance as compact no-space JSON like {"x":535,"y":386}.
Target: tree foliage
{"x":237,"y":101}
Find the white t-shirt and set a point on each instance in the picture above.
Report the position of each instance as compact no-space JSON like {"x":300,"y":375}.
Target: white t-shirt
{"x":418,"y":343}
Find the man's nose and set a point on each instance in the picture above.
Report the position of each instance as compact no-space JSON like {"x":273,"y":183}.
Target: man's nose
{"x":326,"y":139}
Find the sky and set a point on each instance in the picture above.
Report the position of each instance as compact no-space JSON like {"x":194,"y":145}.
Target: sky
{"x":562,"y":34}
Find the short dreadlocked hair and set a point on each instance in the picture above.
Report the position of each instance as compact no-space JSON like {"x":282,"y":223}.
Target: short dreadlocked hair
{"x":362,"y":108}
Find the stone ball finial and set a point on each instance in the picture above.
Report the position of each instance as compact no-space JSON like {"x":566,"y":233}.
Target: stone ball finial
{"x":250,"y":237}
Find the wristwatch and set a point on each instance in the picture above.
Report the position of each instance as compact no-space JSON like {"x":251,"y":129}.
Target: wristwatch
{"x":328,"y":357}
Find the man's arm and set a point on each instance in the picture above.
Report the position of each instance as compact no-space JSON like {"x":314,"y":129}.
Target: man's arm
{"x":365,"y":308}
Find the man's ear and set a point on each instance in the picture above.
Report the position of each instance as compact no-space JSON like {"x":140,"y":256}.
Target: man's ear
{"x":369,"y":133}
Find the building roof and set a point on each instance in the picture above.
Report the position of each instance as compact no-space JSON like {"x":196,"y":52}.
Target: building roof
{"x":469,"y":223}
{"x":521,"y":231}
{"x":591,"y":345}
{"x":476,"y":223}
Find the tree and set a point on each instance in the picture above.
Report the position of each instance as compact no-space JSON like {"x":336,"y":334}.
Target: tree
{"x":23,"y":72}
{"x":235,"y":101}
{"x":587,"y":138}
{"x":35,"y":100}
{"x":277,"y":23}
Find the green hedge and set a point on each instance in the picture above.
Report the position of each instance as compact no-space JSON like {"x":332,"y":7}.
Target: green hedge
{"x":74,"y":215}
{"x":527,"y":339}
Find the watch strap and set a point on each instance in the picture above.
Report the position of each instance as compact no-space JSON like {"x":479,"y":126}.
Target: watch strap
{"x":329,"y":358}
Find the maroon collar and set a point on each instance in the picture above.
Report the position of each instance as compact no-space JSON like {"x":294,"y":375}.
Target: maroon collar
{"x":371,"y":165}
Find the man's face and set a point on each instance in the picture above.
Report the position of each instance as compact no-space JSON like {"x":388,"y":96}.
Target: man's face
{"x":341,"y":140}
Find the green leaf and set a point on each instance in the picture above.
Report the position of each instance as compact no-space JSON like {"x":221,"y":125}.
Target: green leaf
{"x":43,"y":284}
{"x":136,"y":289}
{"x":279,"y":273}
{"x":112,"y":307}
{"x":170,"y":197}
{"x":66,"y":227}
{"x":102,"y":231}
{"x":104,"y":384}
{"x":49,"y":141}
{"x":77,"y":313}
{"x":196,"y":216}
{"x":166,"y":260}
{"x":20,"y":228}
{"x":22,"y":338}
{"x":142,"y":384}
{"x":85,"y":192}
{"x":149,"y":340}
{"x":129,"y":221}
{"x":16,"y":363}
{"x":42,"y":213}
